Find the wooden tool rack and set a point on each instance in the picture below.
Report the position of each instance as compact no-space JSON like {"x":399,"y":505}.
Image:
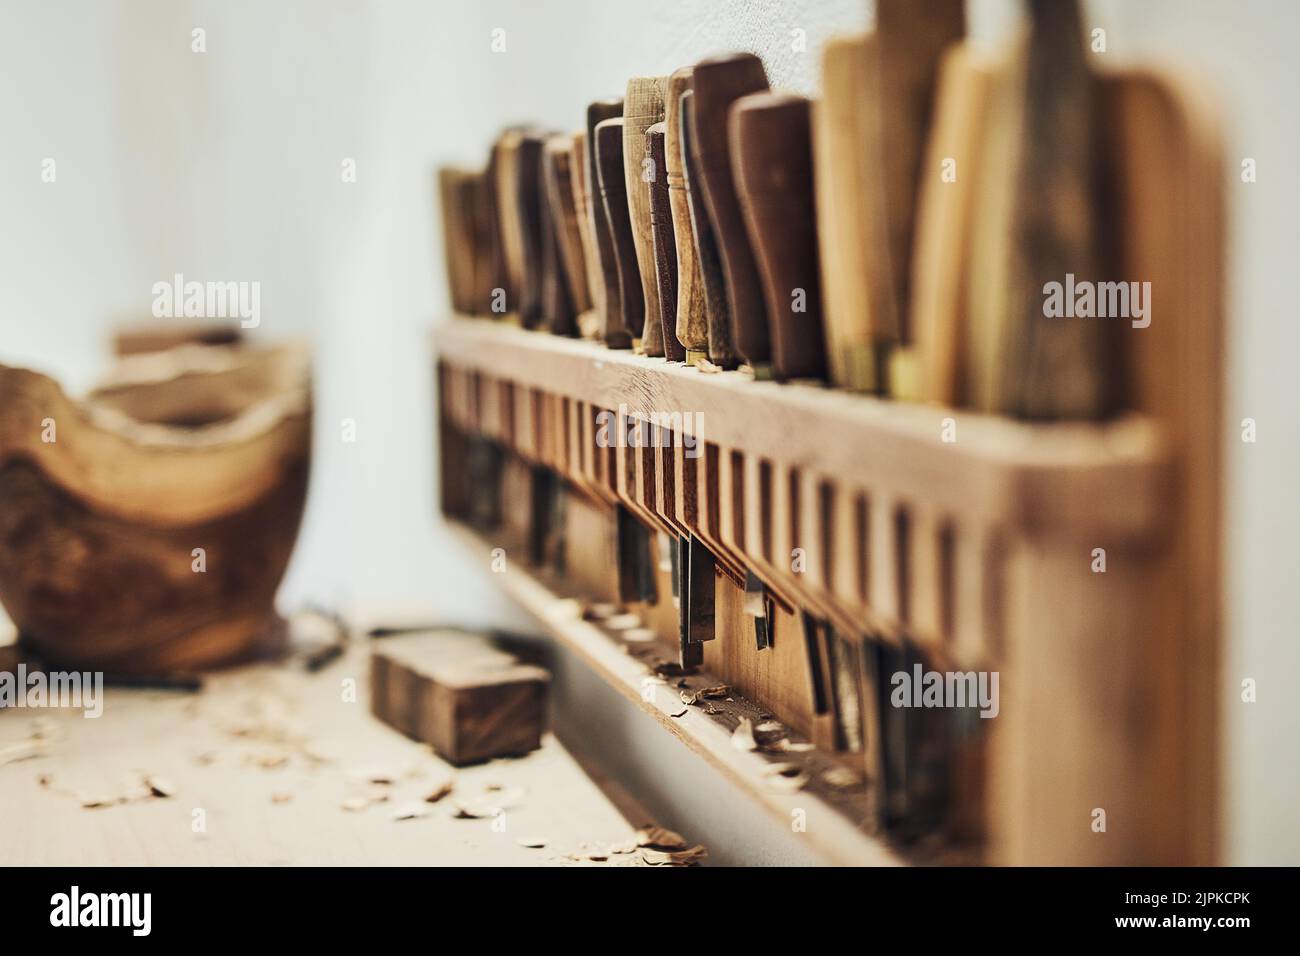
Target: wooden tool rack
{"x":877,"y":534}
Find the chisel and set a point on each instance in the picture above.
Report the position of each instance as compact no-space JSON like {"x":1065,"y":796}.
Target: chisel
{"x":560,"y":191}
{"x":860,"y":321}
{"x":665,"y":244}
{"x":771,"y":158}
{"x":612,"y":332}
{"x":912,"y":38}
{"x":643,"y":106}
{"x":505,"y":164}
{"x":1032,"y":365}
{"x":721,"y":351}
{"x":558,"y":310}
{"x":945,"y":211}
{"x":589,"y":321}
{"x":611,"y":175}
{"x":532,"y":226}
{"x":692,"y":329}
{"x":717,"y":83}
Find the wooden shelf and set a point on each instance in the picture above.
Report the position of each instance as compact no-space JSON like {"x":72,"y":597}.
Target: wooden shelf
{"x":1106,"y":480}
{"x":830,"y":819}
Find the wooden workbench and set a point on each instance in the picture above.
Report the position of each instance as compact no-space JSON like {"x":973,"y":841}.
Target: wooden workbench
{"x":272,"y":754}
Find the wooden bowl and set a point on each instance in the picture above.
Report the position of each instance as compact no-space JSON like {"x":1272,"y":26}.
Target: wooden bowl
{"x":101,"y":528}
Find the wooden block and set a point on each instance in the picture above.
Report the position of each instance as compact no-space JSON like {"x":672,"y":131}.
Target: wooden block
{"x":455,"y":691}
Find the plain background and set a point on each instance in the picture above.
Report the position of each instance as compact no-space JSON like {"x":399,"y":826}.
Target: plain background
{"x":226,"y":166}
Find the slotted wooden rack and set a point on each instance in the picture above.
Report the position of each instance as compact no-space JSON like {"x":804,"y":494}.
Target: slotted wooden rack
{"x":972,"y":538}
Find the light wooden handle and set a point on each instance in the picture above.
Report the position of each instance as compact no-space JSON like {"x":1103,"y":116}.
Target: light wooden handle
{"x":643,"y":106}
{"x":692,"y":318}
{"x":719,"y":82}
{"x":912,"y":38}
{"x":941,"y":262}
{"x":588,"y":322}
{"x":665,"y":242}
{"x":858,"y":299}
{"x":771,"y":159}
{"x":506,"y":193}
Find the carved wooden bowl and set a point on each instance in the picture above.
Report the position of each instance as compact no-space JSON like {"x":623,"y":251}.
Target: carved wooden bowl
{"x":145,"y":529}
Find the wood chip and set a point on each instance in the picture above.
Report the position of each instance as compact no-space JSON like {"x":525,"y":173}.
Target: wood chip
{"x":678,"y":713}
{"x":841,"y":778}
{"x":659,"y":837}
{"x":533,"y":843}
{"x":23,"y":750}
{"x":785,"y":777}
{"x":159,"y":786}
{"x":742,"y":738}
{"x":689,"y":857}
{"x":440,"y":791}
{"x":411,"y":811}
{"x":599,"y":612}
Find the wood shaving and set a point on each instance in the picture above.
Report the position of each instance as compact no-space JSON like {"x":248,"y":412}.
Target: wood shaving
{"x":159,"y":786}
{"x":623,"y":622}
{"x":639,"y":635}
{"x":785,"y":777}
{"x":742,"y":738}
{"x":841,"y":778}
{"x":533,"y":843}
{"x":411,"y":811}
{"x":691,"y":698}
{"x":689,"y":857}
{"x":769,"y":727}
{"x":678,"y":713}
{"x":440,"y":791}
{"x":600,"y":611}
{"x":23,"y":750}
{"x":660,"y":838}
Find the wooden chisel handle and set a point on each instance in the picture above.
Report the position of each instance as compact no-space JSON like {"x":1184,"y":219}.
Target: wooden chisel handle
{"x":665,"y":243}
{"x":611,"y":174}
{"x":505,"y":165}
{"x":771,"y":158}
{"x":1057,"y":367}
{"x":587,"y":230}
{"x":564,"y":213}
{"x":532,"y":223}
{"x":612,"y":331}
{"x":692,"y":323}
{"x":643,"y":106}
{"x":719,"y":82}
{"x":721,"y":351}
{"x":858,"y":304}
{"x":558,"y":313}
{"x":912,"y":38}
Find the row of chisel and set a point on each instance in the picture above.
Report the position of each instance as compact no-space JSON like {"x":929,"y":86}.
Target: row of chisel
{"x":892,"y":237}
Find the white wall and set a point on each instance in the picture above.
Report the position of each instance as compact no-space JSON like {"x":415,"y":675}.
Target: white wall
{"x":225,"y":165}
